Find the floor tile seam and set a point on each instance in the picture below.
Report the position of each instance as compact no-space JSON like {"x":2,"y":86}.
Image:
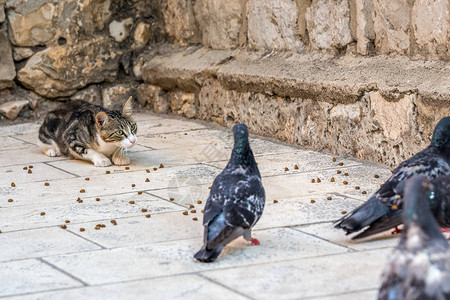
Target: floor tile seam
{"x":61,"y":169}
{"x":351,"y":250}
{"x":17,"y":137}
{"x":224,"y":286}
{"x":338,"y":294}
{"x":168,"y":201}
{"x":60,"y":270}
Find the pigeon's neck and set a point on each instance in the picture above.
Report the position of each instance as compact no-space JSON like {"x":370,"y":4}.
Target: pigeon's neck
{"x":242,"y":156}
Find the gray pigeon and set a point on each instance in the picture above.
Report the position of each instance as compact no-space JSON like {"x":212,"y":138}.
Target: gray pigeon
{"x":419,"y":267}
{"x":431,"y":162}
{"x":439,"y":201}
{"x":236,"y":200}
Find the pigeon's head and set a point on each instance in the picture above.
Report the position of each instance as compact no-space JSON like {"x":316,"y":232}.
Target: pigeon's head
{"x":441,"y":134}
{"x":240,"y":132}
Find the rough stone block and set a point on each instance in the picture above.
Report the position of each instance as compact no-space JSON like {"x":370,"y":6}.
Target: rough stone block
{"x":59,"y":71}
{"x":113,"y":97}
{"x":328,"y":24}
{"x":364,"y":26}
{"x":7,"y":68}
{"x":391,"y":26}
{"x":142,"y":34}
{"x":153,"y":96}
{"x":120,"y":30}
{"x":183,"y":104}
{"x":2,"y":12}
{"x":271,"y":24}
{"x":179,"y":21}
{"x":219,"y":22}
{"x":429,"y":20}
{"x":12,"y":109}
{"x":21,"y":53}
{"x":90,"y":94}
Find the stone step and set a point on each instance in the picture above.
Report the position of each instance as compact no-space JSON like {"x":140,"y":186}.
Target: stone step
{"x":379,"y":108}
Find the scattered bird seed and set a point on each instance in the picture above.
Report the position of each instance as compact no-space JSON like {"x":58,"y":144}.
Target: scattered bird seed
{"x":13,"y":184}
{"x":82,"y":229}
{"x":341,"y":163}
{"x":127,"y":168}
{"x":108,"y":172}
{"x":313,"y":180}
{"x":97,"y":227}
{"x":334,"y":159}
{"x":133,"y":185}
{"x":161,"y":166}
{"x":114,"y":222}
{"x":87,"y":179}
{"x":332,"y":179}
{"x":67,"y":221}
{"x":329,"y":198}
{"x":144,"y":210}
{"x":376,"y":176}
{"x":381,"y":184}
{"x":202,"y":210}
{"x":199,"y":202}
{"x":171,"y":199}
{"x":30,"y":167}
{"x":209,"y":187}
{"x":63,"y":226}
{"x":185,"y":213}
{"x":295,"y":167}
{"x":82,"y":191}
{"x":25,"y":168}
{"x":97,"y":199}
{"x":394,"y":207}
{"x":131,"y":202}
{"x":193,"y":211}
{"x":46,"y":184}
{"x":318,"y":180}
{"x":29,"y":171}
{"x":154,"y":169}
{"x":195,"y":218}
{"x":148,"y":171}
{"x":345,"y":174}
{"x":357,"y":187}
{"x":191,"y":206}
{"x":343,"y":212}
{"x":339,"y":171}
{"x":364,"y":192}
{"x":147,"y":180}
{"x":275,"y":201}
{"x":43,"y":213}
{"x":147,"y":215}
{"x":313,"y":201}
{"x":10,"y":200}
{"x":139,"y":192}
{"x":102,"y":225}
{"x":345,"y":182}
{"x":286,"y":169}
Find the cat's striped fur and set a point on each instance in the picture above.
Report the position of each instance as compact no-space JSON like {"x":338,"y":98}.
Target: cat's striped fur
{"x":89,"y":132}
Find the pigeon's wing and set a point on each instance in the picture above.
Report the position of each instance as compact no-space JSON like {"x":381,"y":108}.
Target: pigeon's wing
{"x":440,"y":200}
{"x":390,"y":220}
{"x":241,"y":210}
{"x":216,"y":199}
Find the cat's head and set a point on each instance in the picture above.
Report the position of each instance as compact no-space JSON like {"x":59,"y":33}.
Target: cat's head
{"x":117,"y":126}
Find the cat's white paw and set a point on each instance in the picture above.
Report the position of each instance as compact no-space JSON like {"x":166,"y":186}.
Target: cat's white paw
{"x":51,"y":152}
{"x":121,"y":160}
{"x":101,"y":161}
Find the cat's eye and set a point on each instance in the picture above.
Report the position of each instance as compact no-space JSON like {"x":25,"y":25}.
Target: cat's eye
{"x":133,"y":127}
{"x":119,"y":132}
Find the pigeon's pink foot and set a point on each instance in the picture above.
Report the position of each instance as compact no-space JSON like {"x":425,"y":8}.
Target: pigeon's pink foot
{"x":396,"y":230}
{"x":255,"y":242}
{"x":445,"y":229}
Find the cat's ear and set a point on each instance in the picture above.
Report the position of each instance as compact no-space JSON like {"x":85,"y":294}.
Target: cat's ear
{"x":101,"y":118}
{"x":127,"y":108}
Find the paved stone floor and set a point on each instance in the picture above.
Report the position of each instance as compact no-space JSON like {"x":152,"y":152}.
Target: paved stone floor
{"x":301,"y":255}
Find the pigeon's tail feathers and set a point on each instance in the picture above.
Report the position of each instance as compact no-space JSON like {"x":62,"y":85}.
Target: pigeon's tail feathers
{"x":362,"y":216}
{"x":205,"y":255}
{"x":382,"y":224}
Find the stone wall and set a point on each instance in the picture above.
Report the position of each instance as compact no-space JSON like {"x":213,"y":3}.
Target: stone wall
{"x":104,"y":51}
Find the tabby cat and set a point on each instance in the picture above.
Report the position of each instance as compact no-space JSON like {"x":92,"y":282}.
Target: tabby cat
{"x":89,"y":132}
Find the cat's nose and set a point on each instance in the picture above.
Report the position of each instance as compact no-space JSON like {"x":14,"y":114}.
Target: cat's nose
{"x":132,"y":140}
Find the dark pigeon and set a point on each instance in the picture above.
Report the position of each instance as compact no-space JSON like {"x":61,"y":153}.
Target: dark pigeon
{"x":431,"y":162}
{"x":236,"y":200}
{"x":419,"y":267}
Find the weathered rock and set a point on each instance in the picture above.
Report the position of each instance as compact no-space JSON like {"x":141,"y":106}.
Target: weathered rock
{"x":31,"y":28}
{"x":21,"y":53}
{"x":113,"y":97}
{"x":179,"y":21}
{"x":183,"y":104}
{"x":12,"y":109}
{"x":120,"y":30}
{"x":142,"y":34}
{"x":60,"y":70}
{"x":271,"y":24}
{"x":429,"y":20}
{"x":7,"y":68}
{"x":154,"y":97}
{"x":219,"y":22}
{"x":364,"y":26}
{"x":328,"y":23}
{"x":391,"y":26}
{"x":2,"y":11}
{"x":90,"y":94}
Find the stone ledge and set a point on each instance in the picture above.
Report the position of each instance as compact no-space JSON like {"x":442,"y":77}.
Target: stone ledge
{"x":382,"y":108}
{"x":312,"y":76}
